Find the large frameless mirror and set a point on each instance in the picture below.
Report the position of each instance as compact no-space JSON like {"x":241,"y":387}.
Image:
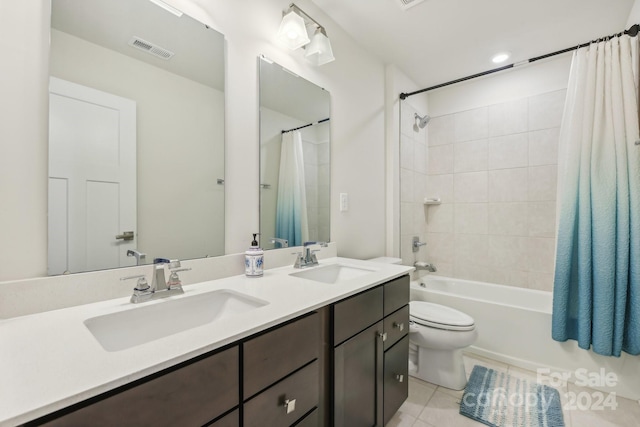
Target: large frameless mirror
{"x":295,"y":167}
{"x":136,"y":136}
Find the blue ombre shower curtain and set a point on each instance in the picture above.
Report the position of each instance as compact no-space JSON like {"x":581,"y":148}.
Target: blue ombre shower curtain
{"x":291,"y":207}
{"x":597,"y":276}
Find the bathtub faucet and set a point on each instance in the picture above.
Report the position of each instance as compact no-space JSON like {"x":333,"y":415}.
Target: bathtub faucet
{"x":419,"y":265}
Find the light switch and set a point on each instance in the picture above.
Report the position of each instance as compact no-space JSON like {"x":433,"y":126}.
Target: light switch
{"x":344,"y":202}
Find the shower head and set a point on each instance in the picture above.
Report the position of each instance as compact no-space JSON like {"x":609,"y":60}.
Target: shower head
{"x":421,"y":122}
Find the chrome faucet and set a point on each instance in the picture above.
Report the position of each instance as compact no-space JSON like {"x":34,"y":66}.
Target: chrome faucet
{"x":160,"y":287}
{"x":425,"y":266}
{"x":284,"y":243}
{"x":417,"y":243}
{"x":307,"y":257}
{"x":140,"y":256}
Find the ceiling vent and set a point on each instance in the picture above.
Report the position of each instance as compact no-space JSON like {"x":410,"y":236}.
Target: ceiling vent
{"x":406,"y":4}
{"x":151,"y":48}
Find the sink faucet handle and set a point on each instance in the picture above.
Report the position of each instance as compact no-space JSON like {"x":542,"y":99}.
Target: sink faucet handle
{"x":141,"y":284}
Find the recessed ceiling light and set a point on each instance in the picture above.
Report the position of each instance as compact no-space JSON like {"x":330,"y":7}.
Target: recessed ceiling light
{"x":500,"y":57}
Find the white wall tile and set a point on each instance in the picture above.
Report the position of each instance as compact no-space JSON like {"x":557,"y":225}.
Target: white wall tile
{"x":545,"y":111}
{"x":406,"y":152}
{"x":471,"y":125}
{"x":543,"y":147}
{"x":406,"y":218}
{"x":471,"y":249}
{"x":471,"y":218}
{"x":440,"y":159}
{"x":501,"y":276}
{"x":419,"y":218}
{"x":508,"y":252}
{"x":441,"y":130}
{"x":419,"y":187}
{"x":470,"y":187}
{"x":406,"y":185}
{"x":540,"y":281}
{"x":541,"y":254}
{"x":420,"y":158}
{"x":510,"y":151}
{"x":440,"y":247}
{"x":542,"y":219}
{"x":470,"y":156}
{"x":543,"y":182}
{"x":509,"y":219}
{"x":508,"y":118}
{"x":407,"y":114}
{"x":508,"y":185}
{"x":440,"y":186}
{"x":440,"y":218}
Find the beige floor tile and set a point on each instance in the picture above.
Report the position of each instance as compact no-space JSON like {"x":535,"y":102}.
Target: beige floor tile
{"x":419,"y":394}
{"x":401,"y":419}
{"x":443,"y":411}
{"x":588,"y":407}
{"x":420,"y":423}
{"x":454,"y":393}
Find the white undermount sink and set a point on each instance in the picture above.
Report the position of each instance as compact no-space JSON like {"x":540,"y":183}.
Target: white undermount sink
{"x":333,"y":273}
{"x":145,"y":323}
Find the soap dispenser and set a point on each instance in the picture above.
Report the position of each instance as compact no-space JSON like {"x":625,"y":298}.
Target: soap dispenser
{"x":254,"y":259}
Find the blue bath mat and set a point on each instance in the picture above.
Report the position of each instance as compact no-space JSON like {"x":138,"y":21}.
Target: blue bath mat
{"x":499,"y":400}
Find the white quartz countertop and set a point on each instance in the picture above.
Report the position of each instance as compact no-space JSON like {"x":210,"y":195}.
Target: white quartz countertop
{"x":50,"y":360}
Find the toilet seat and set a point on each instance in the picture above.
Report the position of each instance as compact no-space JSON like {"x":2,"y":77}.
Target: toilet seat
{"x":439,"y":316}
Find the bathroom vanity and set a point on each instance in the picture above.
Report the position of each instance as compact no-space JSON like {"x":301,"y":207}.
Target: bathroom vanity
{"x":289,"y":361}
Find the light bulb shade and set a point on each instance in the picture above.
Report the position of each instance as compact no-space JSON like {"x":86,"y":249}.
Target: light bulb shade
{"x":293,"y":32}
{"x":319,"y":51}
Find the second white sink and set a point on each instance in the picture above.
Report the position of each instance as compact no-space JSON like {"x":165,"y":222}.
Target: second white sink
{"x":146,"y":323}
{"x":333,"y":273}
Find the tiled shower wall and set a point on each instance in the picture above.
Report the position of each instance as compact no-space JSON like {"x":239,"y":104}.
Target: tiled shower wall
{"x":495,"y":170}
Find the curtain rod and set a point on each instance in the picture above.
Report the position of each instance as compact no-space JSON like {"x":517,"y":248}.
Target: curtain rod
{"x":306,"y":126}
{"x":632,"y":31}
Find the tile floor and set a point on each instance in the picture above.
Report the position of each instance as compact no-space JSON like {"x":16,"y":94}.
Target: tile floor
{"x":429,"y":405}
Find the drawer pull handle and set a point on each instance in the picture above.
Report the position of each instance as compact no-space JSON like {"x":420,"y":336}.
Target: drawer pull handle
{"x":400,"y":378}
{"x":383,"y":335}
{"x":290,"y":405}
{"x":399,"y":326}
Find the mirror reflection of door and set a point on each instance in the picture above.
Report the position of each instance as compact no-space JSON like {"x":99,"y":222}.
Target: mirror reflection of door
{"x":92,"y":178}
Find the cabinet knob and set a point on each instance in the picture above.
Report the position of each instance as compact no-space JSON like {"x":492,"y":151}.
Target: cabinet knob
{"x":400,"y":378}
{"x":383,"y":335}
{"x":290,"y":405}
{"x":399,"y":325}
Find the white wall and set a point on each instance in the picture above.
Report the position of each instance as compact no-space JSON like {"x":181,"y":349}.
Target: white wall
{"x":634,"y":15}
{"x":355,"y":81}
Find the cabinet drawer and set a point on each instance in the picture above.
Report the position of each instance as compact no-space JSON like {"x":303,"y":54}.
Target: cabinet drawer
{"x":230,"y":420}
{"x":396,"y":294}
{"x":275,"y":354}
{"x":396,"y":381}
{"x":268,"y":408}
{"x":396,"y":326}
{"x":356,"y":313}
{"x":193,"y":394}
{"x":311,"y":420}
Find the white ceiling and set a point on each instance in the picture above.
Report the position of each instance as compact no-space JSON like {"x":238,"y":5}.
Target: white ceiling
{"x":441,"y":40}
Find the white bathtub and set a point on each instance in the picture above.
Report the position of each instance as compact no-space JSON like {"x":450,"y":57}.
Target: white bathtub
{"x":514,"y":326}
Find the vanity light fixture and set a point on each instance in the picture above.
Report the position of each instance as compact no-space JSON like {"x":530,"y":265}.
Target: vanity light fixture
{"x":293,"y":34}
{"x":500,"y":57}
{"x":167,"y":7}
{"x":319,"y":51}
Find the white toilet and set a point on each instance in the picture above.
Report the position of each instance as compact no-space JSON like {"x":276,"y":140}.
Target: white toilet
{"x":437,"y":335}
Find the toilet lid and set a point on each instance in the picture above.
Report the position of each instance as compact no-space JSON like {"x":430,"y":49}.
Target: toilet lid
{"x":440,"y":316}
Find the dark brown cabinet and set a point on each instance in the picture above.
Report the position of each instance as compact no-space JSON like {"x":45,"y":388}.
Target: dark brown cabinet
{"x":194,"y":393}
{"x":370,"y":356}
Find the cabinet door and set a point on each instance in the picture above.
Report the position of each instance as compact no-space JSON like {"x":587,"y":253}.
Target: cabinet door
{"x":358,"y":382}
{"x":193,"y":394}
{"x":356,"y":313}
{"x":396,"y":381}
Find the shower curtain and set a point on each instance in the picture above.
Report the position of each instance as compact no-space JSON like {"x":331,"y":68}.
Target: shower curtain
{"x":597,"y":277}
{"x":291,"y":207}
